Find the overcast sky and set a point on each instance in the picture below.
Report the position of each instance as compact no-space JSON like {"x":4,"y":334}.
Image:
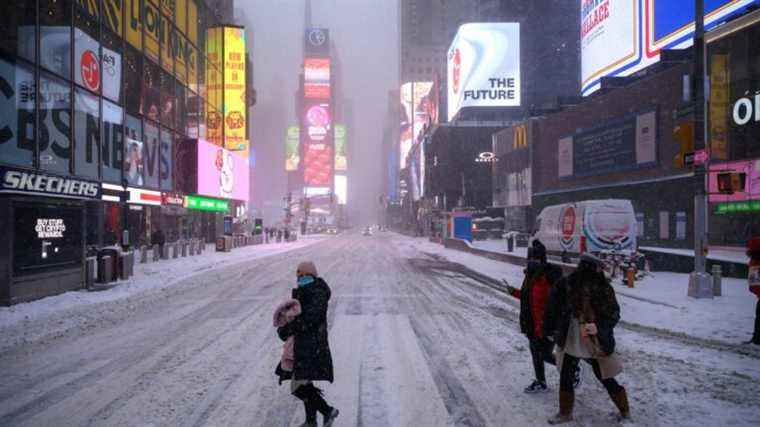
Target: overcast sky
{"x":365,"y":35}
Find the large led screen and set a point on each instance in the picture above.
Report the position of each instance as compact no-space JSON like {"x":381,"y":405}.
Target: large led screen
{"x":292,"y":148}
{"x":318,"y":147}
{"x":234,"y":91}
{"x":621,"y":37}
{"x":222,"y":173}
{"x":316,"y":83}
{"x":415,"y":100}
{"x":484,"y":67}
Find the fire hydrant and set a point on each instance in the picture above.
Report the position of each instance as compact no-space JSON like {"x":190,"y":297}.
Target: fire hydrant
{"x":630,"y":276}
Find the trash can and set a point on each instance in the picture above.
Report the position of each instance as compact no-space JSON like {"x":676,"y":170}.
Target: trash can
{"x":90,"y":264}
{"x":108,"y":264}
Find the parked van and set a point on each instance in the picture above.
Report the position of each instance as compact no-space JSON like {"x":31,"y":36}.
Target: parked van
{"x":587,"y":226}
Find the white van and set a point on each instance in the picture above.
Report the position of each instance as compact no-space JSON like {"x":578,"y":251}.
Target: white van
{"x":587,"y":226}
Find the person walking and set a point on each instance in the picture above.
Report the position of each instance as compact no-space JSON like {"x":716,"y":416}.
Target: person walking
{"x":582,"y":314}
{"x":540,"y":278}
{"x":311,"y":350}
{"x":753,"y":252}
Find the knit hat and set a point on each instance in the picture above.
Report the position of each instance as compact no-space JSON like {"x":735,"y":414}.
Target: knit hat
{"x":537,"y":250}
{"x":307,"y":268}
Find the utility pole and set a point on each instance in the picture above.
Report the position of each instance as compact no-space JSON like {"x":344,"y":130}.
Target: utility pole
{"x":700,"y":282}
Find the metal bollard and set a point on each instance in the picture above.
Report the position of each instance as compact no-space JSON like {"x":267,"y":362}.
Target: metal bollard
{"x":184,"y":249}
{"x":90,"y":272}
{"x":130,"y":264}
{"x":175,"y":250}
{"x":165,"y":251}
{"x":156,"y":253}
{"x":192,"y":247}
{"x":143,"y":254}
{"x":717,"y":277}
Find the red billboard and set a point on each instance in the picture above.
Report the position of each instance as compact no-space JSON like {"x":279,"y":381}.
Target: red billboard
{"x":318,"y":145}
{"x":316,"y":81}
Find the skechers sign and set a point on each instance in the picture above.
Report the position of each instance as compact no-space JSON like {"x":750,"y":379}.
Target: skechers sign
{"x":21,"y":181}
{"x":484,"y":67}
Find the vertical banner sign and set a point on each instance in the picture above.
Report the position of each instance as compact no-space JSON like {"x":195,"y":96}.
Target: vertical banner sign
{"x":719,"y":101}
{"x":214,"y":119}
{"x":234,"y":91}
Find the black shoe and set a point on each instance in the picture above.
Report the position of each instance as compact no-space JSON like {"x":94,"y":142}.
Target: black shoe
{"x":578,"y":378}
{"x":536,"y":387}
{"x":331,"y":416}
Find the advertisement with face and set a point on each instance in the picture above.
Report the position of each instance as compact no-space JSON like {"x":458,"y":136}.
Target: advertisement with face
{"x":317,"y":78}
{"x":318,"y":147}
{"x":222,"y":173}
{"x":484,"y":67}
{"x":415,"y":99}
{"x":134,"y":150}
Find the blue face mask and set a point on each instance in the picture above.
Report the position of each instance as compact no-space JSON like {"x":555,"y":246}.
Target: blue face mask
{"x":305,"y":281}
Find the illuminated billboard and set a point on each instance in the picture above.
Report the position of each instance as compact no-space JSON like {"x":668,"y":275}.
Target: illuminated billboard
{"x":415,"y":99}
{"x":341,"y":189}
{"x":622,"y":37}
{"x":234,"y":91}
{"x":316,"y":78}
{"x":222,"y":173}
{"x":341,"y":160}
{"x":483,"y":67}
{"x":292,"y":148}
{"x":318,"y":147}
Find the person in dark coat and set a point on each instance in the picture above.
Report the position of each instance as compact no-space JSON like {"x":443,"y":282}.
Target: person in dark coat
{"x":540,"y":278}
{"x":313,"y":361}
{"x":753,"y":252}
{"x":158,"y":238}
{"x":581,"y":315}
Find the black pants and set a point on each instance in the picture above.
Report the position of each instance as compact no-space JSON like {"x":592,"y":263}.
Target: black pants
{"x":567,"y":376}
{"x":312,"y":401}
{"x":756,"y":335}
{"x":541,"y":352}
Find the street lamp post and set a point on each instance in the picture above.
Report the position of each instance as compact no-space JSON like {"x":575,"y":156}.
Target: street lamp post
{"x":700,"y":282}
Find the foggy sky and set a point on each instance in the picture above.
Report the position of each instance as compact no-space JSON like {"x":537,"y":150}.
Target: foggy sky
{"x":365,"y":35}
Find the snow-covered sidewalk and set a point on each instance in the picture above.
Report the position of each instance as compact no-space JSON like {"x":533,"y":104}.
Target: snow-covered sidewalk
{"x":659,"y":301}
{"x":148,"y":277}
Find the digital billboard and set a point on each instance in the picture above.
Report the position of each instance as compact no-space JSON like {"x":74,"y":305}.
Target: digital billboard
{"x":751,"y":171}
{"x":341,"y":160}
{"x":341,"y":189}
{"x":318,"y":147}
{"x":222,"y":173}
{"x":234,"y":91}
{"x":415,"y":100}
{"x":316,"y":80}
{"x":292,"y":148}
{"x":483,"y":67}
{"x":622,"y":37}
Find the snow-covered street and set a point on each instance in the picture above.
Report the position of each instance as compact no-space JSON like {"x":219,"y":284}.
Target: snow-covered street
{"x":419,"y":337}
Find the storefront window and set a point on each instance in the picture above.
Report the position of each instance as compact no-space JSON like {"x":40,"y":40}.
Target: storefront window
{"x":133,"y":80}
{"x":46,"y":238}
{"x":151,"y":89}
{"x":55,"y":36}
{"x":112,"y":66}
{"x":16,"y":114}
{"x":167,"y":160}
{"x":151,"y":157}
{"x":112,"y":142}
{"x":17,"y":35}
{"x":168,"y":100}
{"x":134,"y":165}
{"x":55,"y":124}
{"x":87,"y":70}
{"x":86,"y":134}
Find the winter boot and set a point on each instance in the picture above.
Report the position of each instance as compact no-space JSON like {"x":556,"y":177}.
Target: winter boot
{"x":565,"y":415}
{"x":620,"y":399}
{"x":304,"y":394}
{"x":536,"y":387}
{"x":330,"y":418}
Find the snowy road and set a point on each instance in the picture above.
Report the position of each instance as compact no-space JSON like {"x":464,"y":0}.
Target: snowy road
{"x":416,"y":341}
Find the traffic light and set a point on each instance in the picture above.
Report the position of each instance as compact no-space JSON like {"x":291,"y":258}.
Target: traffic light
{"x":683,"y":134}
{"x":731,"y":182}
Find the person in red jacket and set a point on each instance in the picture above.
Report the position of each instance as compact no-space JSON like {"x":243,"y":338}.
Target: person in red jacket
{"x":753,"y":252}
{"x":540,"y":278}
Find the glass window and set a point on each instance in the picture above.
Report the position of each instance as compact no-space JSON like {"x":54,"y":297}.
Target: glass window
{"x":134,"y":165}
{"x":86,"y":134}
{"x":168,"y":100}
{"x":112,"y":142}
{"x":47,"y":238}
{"x":133,"y":80}
{"x":180,"y":114}
{"x":55,"y":124}
{"x":55,"y":36}
{"x":150,"y":159}
{"x":151,"y":88}
{"x":17,"y":22}
{"x":112,"y":66}
{"x":16,"y":114}
{"x":167,"y":160}
{"x":87,"y":71}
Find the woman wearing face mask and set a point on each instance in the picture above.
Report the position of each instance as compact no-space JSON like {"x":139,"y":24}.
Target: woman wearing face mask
{"x":581,"y":314}
{"x":312,"y":358}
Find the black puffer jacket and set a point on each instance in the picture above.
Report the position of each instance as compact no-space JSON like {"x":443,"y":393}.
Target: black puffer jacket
{"x":568,"y":298}
{"x":313,"y":360}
